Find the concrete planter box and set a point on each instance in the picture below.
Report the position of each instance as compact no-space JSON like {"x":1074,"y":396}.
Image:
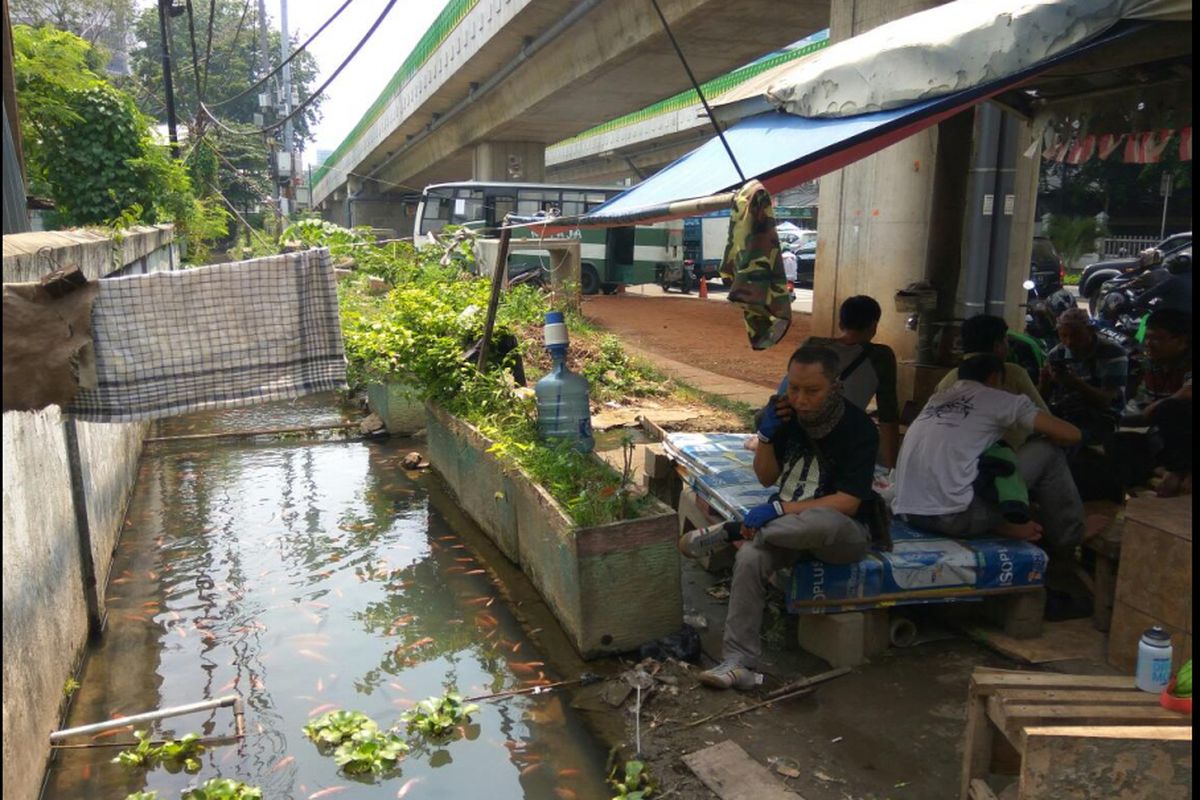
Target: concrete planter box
{"x":399,"y":406}
{"x":612,"y":587}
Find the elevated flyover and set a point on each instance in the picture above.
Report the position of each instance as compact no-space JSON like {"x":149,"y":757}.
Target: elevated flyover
{"x":493,"y":81}
{"x":641,"y":142}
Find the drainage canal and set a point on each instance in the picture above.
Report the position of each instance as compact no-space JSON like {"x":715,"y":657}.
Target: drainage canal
{"x":307,"y":576}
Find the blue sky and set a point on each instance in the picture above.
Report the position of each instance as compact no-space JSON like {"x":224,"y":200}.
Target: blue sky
{"x":361,"y":82}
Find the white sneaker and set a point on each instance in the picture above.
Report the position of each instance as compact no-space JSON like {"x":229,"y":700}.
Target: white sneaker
{"x":705,"y":541}
{"x":731,"y":675}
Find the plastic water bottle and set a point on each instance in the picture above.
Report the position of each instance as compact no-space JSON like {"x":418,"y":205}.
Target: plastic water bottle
{"x":562,"y":396}
{"x":1154,"y":660}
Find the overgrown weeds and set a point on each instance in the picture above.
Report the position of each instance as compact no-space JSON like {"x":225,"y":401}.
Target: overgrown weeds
{"x":430,"y":317}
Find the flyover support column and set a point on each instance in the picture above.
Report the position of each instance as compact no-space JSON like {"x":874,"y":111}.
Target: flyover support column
{"x":519,"y":162}
{"x":366,"y":204}
{"x":897,"y":217}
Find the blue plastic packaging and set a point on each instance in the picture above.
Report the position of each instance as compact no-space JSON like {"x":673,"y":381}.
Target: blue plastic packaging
{"x":563,"y":409}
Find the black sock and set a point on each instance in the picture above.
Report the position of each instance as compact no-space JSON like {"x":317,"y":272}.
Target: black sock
{"x":733,"y":531}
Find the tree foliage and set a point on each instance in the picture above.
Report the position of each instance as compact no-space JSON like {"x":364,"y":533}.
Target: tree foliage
{"x":90,"y":20}
{"x":1074,"y":236}
{"x":234,"y":64}
{"x":92,"y":151}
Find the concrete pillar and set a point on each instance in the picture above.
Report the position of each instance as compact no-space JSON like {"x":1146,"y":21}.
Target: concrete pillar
{"x":366,"y":204}
{"x":875,"y":215}
{"x":897,"y":217}
{"x":519,"y":162}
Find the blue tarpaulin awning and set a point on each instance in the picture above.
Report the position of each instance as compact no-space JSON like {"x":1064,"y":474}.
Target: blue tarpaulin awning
{"x":784,"y":150}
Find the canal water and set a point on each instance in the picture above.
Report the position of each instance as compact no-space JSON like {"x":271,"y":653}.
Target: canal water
{"x":309,"y":575}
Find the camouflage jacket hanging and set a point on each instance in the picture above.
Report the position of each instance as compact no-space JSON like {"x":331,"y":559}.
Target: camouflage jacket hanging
{"x":754,"y":264}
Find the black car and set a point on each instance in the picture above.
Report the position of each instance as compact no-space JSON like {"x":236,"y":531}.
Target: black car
{"x":806,"y":262}
{"x":1046,"y":267}
{"x":1096,"y":275}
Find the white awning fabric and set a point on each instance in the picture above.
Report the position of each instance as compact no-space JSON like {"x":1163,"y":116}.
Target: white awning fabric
{"x":940,"y":51}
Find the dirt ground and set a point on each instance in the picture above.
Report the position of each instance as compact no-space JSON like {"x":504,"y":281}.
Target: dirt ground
{"x":707,"y":335}
{"x":888,"y":730}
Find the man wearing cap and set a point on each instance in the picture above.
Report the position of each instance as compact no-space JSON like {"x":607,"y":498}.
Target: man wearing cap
{"x":1084,"y":378}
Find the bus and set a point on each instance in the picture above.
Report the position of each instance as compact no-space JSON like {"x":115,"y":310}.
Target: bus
{"x":609,"y":257}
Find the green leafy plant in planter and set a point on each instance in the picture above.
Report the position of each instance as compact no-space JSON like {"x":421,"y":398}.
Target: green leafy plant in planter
{"x":333,"y":728}
{"x":173,"y":754}
{"x":222,"y":789}
{"x":370,"y":752}
{"x":150,"y":795}
{"x":436,"y":717}
{"x":634,"y":784}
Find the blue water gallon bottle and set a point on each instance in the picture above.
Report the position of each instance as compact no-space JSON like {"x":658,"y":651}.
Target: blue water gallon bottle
{"x":1154,"y":660}
{"x":562,"y":396}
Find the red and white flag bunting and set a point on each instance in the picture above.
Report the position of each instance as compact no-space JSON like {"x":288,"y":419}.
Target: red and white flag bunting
{"x":1108,"y":143}
{"x":1140,"y":148}
{"x":1146,"y":148}
{"x":1081,"y":150}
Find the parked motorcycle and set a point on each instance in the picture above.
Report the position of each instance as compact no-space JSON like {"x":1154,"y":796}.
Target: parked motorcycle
{"x":676,"y":276}
{"x":1119,"y":295}
{"x":1041,"y":313}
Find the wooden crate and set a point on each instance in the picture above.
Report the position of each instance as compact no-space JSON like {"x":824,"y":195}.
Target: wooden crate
{"x":1073,"y":736}
{"x":1154,"y":581}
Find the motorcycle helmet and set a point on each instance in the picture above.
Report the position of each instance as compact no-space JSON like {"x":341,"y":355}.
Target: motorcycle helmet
{"x":1180,"y":262}
{"x":1059,"y":302}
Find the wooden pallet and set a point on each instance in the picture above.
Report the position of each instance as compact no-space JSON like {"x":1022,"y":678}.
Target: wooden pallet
{"x":1073,"y":736}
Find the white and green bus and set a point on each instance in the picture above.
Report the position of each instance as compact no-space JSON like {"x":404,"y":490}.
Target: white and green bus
{"x":609,"y":257}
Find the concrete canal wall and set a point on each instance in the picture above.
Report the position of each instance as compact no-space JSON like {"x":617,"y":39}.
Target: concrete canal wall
{"x":66,"y":485}
{"x":612,"y":587}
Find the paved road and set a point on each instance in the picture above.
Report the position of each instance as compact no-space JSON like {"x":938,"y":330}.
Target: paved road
{"x":716,"y":293}
{"x":802,"y":304}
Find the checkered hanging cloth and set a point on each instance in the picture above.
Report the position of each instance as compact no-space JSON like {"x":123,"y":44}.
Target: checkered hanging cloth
{"x":221,"y":336}
{"x":755,"y":266}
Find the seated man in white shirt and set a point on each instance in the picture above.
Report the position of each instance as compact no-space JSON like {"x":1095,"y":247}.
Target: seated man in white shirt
{"x":939,"y":462}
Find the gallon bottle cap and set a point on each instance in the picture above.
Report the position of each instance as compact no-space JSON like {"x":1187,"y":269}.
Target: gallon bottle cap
{"x":555,"y":329}
{"x":1157,"y":633}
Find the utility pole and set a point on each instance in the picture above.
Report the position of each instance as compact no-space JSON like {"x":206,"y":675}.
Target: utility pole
{"x":1168,"y":182}
{"x":285,"y":42}
{"x":166,"y":8}
{"x":264,"y":65}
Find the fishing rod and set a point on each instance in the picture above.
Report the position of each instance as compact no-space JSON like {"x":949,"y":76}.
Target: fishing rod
{"x":585,"y":679}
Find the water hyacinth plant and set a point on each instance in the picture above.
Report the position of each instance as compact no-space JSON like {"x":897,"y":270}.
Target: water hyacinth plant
{"x":338,"y":726}
{"x":370,"y":751}
{"x":222,"y":789}
{"x":436,"y":717}
{"x":174,"y":754}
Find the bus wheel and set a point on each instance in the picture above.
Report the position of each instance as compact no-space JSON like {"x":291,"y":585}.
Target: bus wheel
{"x":589,"y":279}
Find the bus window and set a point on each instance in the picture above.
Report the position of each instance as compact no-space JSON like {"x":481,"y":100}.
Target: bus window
{"x":499,"y":206}
{"x":468,"y":206}
{"x":572,"y":203}
{"x":532,"y":201}
{"x":435,"y":213}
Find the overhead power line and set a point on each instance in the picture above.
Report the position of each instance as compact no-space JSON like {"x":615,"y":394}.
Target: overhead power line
{"x":287,"y":60}
{"x":274,"y":126}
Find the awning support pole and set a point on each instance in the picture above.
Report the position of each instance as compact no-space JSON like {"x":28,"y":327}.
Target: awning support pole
{"x":695,"y":84}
